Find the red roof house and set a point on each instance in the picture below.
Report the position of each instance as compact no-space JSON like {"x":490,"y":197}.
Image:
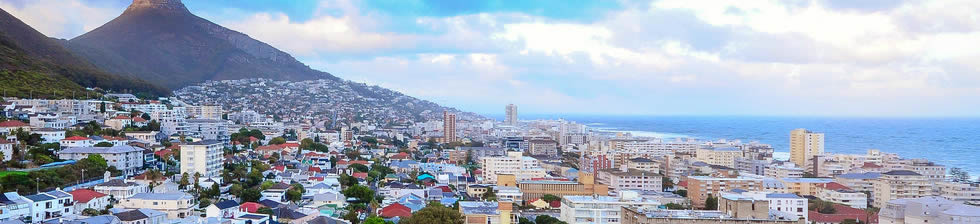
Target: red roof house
{"x":76,"y":138}
{"x":13,"y":124}
{"x":360,"y":175}
{"x":395,"y":210}
{"x":843,"y":213}
{"x":250,"y":207}
{"x":86,"y":195}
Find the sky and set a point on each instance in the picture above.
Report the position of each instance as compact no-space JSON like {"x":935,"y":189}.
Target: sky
{"x":630,"y":57}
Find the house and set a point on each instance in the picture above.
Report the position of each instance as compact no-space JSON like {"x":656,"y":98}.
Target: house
{"x":50,"y":135}
{"x":50,"y":205}
{"x":126,"y":158}
{"x":223,"y":209}
{"x":13,"y":206}
{"x":334,"y":199}
{"x":132,"y":217}
{"x":76,"y":141}
{"x":250,"y":207}
{"x":276,"y":192}
{"x":7,"y":148}
{"x":175,"y":205}
{"x":395,"y":210}
{"x":102,"y":219}
{"x":9,"y":126}
{"x":120,"y":189}
{"x":85,"y":198}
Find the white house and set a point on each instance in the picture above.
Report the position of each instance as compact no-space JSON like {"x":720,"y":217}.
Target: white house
{"x":223,"y":209}
{"x":76,"y":141}
{"x":50,"y":205}
{"x":85,"y":198}
{"x":126,"y":158}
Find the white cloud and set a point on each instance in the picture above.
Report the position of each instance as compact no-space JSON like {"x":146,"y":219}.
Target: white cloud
{"x":60,"y":18}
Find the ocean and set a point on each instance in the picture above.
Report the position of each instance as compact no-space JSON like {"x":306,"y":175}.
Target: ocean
{"x":954,"y":142}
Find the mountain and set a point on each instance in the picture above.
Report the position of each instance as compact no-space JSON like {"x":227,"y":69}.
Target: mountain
{"x":33,"y":63}
{"x":161,"y":41}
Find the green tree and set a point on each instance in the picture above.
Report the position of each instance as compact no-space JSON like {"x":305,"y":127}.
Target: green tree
{"x":682,"y":193}
{"x":103,"y":144}
{"x":374,"y":220}
{"x":358,"y":167}
{"x":277,"y":140}
{"x":546,"y":219}
{"x":184,"y":181}
{"x":434,"y":213}
{"x":550,"y":198}
{"x":352,"y":217}
{"x":265,"y":210}
{"x":204,"y":202}
{"x":711,"y":203}
{"x":251,"y":195}
{"x":522,"y":220}
{"x":667,"y":183}
{"x":90,"y":212}
{"x":236,"y":190}
{"x":489,"y":195}
{"x":675,"y":206}
{"x":362,"y":193}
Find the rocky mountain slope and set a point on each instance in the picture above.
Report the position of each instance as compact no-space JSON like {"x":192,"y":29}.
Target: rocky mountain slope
{"x":161,"y":41}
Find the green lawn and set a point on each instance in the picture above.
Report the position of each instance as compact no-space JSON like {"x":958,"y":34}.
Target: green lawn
{"x":7,"y":173}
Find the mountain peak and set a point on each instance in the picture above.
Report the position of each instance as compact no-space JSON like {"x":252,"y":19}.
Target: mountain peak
{"x":162,"y":5}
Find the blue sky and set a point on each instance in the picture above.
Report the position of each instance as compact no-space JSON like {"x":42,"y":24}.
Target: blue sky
{"x":629,"y":57}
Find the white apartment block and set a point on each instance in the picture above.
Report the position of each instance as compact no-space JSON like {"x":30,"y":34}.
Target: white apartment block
{"x":523,"y":167}
{"x":785,"y":170}
{"x":208,"y":130}
{"x":205,"y":112}
{"x":598,"y":209}
{"x":50,"y":205}
{"x":128,"y":159}
{"x":786,"y":203}
{"x":171,"y":121}
{"x":928,"y":210}
{"x":176,"y":205}
{"x":204,"y":157}
{"x":851,"y":198}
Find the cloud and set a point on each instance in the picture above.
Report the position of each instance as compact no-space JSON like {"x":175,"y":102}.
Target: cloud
{"x":753,"y":57}
{"x":61,"y":18}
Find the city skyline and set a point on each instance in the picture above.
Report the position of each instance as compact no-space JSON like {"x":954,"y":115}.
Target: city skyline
{"x":808,"y":58}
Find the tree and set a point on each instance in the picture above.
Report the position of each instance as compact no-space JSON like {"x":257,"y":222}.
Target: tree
{"x":550,"y":198}
{"x":546,"y":219}
{"x":145,"y":116}
{"x":490,"y":195}
{"x":90,"y":212}
{"x":957,"y":174}
{"x":711,"y":203}
{"x":251,"y":195}
{"x":362,"y":193}
{"x":293,"y":195}
{"x":675,"y":206}
{"x":374,"y":220}
{"x":352,"y":216}
{"x":347,"y":180}
{"x":522,"y":220}
{"x":277,"y":140}
{"x":358,"y":167}
{"x":204,"y":203}
{"x":236,"y":190}
{"x":434,"y":213}
{"x":184,"y":181}
{"x":682,"y":193}
{"x":103,"y":144}
{"x":102,"y":107}
{"x":667,"y":183}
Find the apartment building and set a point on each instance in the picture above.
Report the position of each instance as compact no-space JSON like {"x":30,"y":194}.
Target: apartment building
{"x":899,"y":184}
{"x":534,"y":189}
{"x":480,"y":212}
{"x":204,"y":157}
{"x":783,"y":170}
{"x":700,"y":187}
{"x":598,"y":209}
{"x":631,"y":179}
{"x":858,"y":181}
{"x":803,"y":146}
{"x":927,"y":210}
{"x":126,"y":158}
{"x":791,"y":205}
{"x":643,"y":164}
{"x":724,"y":156}
{"x":742,"y":212}
{"x":208,"y":130}
{"x":968,"y":193}
{"x":543,"y":147}
{"x":804,"y":186}
{"x":176,"y":205}
{"x":204,"y":111}
{"x":522,"y":167}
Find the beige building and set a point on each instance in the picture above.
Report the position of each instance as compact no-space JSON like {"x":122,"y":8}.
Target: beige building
{"x":803,"y":145}
{"x":858,"y":181}
{"x":643,"y":164}
{"x":899,"y":184}
{"x":176,"y":205}
{"x":480,"y":212}
{"x":543,"y":147}
{"x":534,"y":189}
{"x":700,"y":187}
{"x":204,"y":112}
{"x":631,"y":179}
{"x":719,"y":156}
{"x":448,"y":127}
{"x":148,"y":136}
{"x":204,"y":157}
{"x":804,"y":186}
{"x":515,"y":163}
{"x":968,"y":193}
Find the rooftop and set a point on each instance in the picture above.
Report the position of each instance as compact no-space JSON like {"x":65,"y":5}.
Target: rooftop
{"x":102,"y":150}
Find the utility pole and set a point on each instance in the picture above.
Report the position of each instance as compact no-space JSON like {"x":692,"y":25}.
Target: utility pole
{"x":37,"y":184}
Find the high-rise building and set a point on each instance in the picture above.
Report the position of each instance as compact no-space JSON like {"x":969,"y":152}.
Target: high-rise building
{"x":804,"y":145}
{"x":202,"y":157}
{"x":511,"y":115}
{"x":448,"y":127}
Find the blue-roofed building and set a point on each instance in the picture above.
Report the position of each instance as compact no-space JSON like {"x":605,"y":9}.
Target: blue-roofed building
{"x":222,"y":209}
{"x":412,"y":201}
{"x":13,"y":206}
